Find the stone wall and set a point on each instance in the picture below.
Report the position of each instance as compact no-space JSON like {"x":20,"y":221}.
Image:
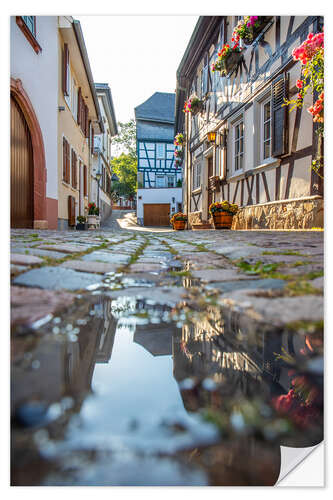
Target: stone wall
{"x":293,"y":214}
{"x":194,"y":218}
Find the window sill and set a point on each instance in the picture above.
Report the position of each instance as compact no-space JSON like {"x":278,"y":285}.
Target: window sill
{"x":197,"y":190}
{"x":29,"y":36}
{"x":69,"y":186}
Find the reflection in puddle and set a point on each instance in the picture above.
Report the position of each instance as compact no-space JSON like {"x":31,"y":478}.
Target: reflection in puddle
{"x":129,"y":393}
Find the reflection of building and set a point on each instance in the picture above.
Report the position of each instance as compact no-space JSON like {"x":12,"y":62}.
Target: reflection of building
{"x":106,"y":334}
{"x":159,"y":179}
{"x":156,"y":339}
{"x":261,"y":155}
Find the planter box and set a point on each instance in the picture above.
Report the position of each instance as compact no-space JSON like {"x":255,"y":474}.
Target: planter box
{"x":81,"y":226}
{"x":222,"y":220}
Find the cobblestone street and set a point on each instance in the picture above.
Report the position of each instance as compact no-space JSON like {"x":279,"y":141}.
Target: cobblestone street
{"x":183,"y":293}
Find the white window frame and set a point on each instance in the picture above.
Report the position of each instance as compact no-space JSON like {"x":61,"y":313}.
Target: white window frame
{"x":160,"y":177}
{"x":233,"y":143}
{"x":172,"y":177}
{"x":159,"y":154}
{"x":262,"y":141}
{"x":197,"y":172}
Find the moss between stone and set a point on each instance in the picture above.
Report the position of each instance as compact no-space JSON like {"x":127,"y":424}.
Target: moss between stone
{"x":288,"y":252}
{"x":306,"y":326}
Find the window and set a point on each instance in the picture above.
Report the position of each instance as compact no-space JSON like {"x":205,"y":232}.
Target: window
{"x":160,"y":181}
{"x":160,"y":151}
{"x":238,"y":145}
{"x":85,"y":184}
{"x":74,"y":91}
{"x":266,"y":130}
{"x":30,"y":22}
{"x":27,"y":25}
{"x":171,"y":181}
{"x":74,"y":169}
{"x":196,"y":175}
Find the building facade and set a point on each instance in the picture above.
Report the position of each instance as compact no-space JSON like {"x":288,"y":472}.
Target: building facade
{"x":159,"y":179}
{"x":79,"y":119}
{"x":100,"y":192}
{"x":261,"y":154}
{"x":34,"y":116}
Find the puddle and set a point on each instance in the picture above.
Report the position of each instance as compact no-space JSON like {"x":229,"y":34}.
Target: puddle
{"x":131,"y":391}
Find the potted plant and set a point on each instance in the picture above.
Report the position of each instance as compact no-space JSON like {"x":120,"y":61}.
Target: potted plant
{"x":193,"y":105}
{"x":223,"y":212}
{"x":178,"y":221}
{"x":249,"y":28}
{"x":92,"y":212}
{"x":227,"y":58}
{"x":81,"y":223}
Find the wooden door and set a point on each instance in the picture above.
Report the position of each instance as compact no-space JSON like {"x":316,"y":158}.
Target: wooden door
{"x":21,"y":169}
{"x":71,"y":211}
{"x":210,"y":192}
{"x":156,"y":214}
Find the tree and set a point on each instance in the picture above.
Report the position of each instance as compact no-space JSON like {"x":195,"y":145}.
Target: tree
{"x":125,"y":167}
{"x":126,"y":139}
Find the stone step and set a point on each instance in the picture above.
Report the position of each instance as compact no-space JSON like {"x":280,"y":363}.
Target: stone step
{"x":205,"y":225}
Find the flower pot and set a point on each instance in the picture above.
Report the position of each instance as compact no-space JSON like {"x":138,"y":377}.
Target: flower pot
{"x":92,"y":220}
{"x":81,"y":226}
{"x":196,"y":108}
{"x":179,"y":225}
{"x":256,"y":31}
{"x":230,"y":62}
{"x":222,"y":220}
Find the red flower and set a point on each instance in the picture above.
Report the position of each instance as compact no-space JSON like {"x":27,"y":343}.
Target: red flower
{"x":299,"y":84}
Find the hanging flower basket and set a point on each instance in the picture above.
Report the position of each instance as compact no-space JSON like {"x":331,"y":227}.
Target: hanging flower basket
{"x":193,"y":105}
{"x":228,"y":58}
{"x":223,"y":212}
{"x":179,"y":140}
{"x":249,"y":28}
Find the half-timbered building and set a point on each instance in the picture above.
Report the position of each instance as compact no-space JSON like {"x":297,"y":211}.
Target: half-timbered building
{"x":159,"y":178}
{"x":260,"y":154}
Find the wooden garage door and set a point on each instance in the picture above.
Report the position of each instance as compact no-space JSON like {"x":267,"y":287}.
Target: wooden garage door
{"x":21,"y":169}
{"x":156,"y":214}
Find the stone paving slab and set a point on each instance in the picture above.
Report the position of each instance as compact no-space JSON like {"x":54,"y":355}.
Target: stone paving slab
{"x":277,"y":311}
{"x":41,"y":253}
{"x":159,"y":295}
{"x":110,"y":258}
{"x":249,"y":284}
{"x":30,"y":305}
{"x":144,"y":267}
{"x":90,"y":267}
{"x":22,"y":259}
{"x":212,"y":275}
{"x":57,"y":278}
{"x":66,"y":248}
{"x":14,"y":269}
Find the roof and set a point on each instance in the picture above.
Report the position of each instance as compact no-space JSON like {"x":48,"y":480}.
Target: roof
{"x":152,"y":131}
{"x":160,"y":107}
{"x":103,"y":88}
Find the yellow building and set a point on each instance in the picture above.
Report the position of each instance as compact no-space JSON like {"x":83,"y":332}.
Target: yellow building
{"x":79,"y":119}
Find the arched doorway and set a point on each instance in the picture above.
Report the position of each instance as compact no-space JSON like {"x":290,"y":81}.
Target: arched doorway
{"x":27,"y":155}
{"x":21,"y":169}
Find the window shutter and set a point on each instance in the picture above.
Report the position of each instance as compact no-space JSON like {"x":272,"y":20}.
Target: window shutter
{"x":65,"y":62}
{"x":279,"y":116}
{"x":74,"y":169}
{"x":71,"y":211}
{"x":92,"y":139}
{"x":85,"y":180}
{"x":86,"y":121}
{"x":68,"y":172}
{"x":79,"y":106}
{"x":64,"y":158}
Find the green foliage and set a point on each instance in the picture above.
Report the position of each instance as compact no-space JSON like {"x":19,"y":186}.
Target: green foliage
{"x":125,"y":167}
{"x":257,"y":268}
{"x":126,"y":139}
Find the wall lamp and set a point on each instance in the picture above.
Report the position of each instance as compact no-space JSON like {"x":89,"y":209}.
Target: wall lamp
{"x":61,"y":108}
{"x":211,"y":137}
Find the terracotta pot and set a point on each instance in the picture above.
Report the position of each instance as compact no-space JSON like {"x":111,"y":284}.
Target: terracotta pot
{"x":179,"y":225}
{"x":222,"y":220}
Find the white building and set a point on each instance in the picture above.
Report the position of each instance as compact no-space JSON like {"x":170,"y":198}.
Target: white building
{"x":159,"y":179}
{"x":34,"y":115}
{"x":100,"y":190}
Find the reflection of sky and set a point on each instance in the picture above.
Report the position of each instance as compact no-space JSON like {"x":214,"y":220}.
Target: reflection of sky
{"x":133,"y":394}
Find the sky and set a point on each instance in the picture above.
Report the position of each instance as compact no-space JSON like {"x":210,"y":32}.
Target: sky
{"x":136,"y":55}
